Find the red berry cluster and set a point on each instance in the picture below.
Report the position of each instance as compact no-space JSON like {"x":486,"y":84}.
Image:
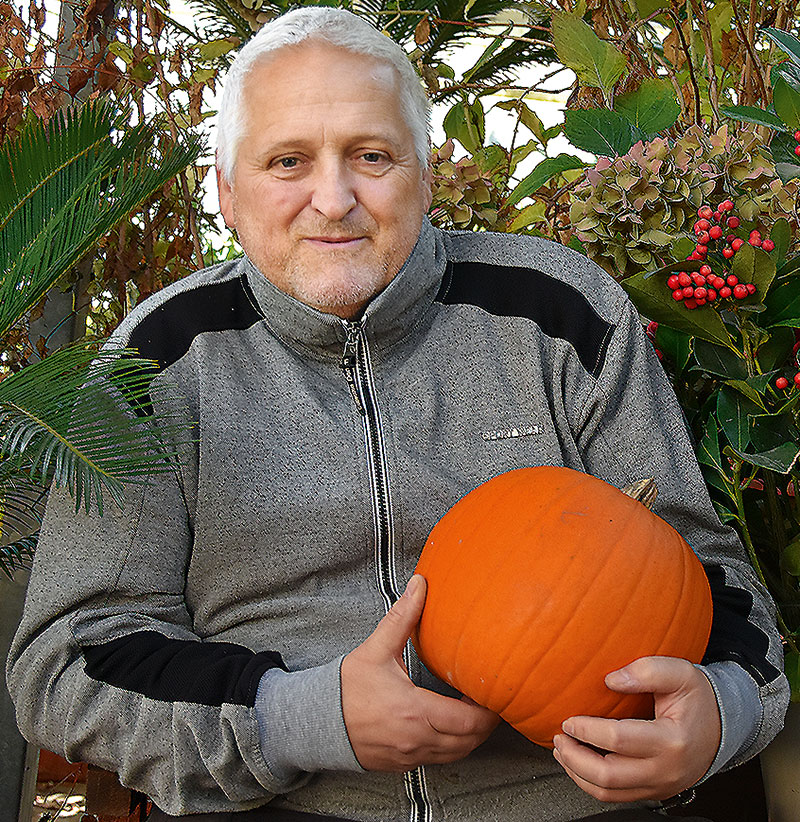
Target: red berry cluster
{"x":703,"y":286}
{"x":797,"y":140}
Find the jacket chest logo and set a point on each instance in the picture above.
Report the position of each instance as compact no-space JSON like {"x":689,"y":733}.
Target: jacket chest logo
{"x":511,"y":433}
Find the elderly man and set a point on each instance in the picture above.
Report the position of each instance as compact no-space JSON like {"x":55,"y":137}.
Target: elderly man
{"x":236,"y":638}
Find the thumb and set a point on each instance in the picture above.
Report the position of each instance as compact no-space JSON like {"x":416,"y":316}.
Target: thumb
{"x":654,"y":674}
{"x":394,"y":630}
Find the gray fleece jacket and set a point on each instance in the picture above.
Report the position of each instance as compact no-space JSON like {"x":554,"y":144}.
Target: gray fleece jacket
{"x":192,"y":641}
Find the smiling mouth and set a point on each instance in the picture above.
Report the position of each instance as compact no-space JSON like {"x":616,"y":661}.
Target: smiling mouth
{"x":334,"y":240}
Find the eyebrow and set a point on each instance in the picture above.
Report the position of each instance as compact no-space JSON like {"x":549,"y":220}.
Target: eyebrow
{"x":302,"y":144}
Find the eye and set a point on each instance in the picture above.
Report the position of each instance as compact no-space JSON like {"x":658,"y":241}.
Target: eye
{"x":373,"y":156}
{"x":288,"y":162}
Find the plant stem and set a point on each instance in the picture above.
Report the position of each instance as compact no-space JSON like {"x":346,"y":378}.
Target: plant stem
{"x":751,"y":550}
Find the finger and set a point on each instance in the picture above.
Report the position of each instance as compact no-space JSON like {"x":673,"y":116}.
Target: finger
{"x":654,"y":675}
{"x":636,"y":738}
{"x":392,"y":633}
{"x":603,"y":793}
{"x":453,"y":717}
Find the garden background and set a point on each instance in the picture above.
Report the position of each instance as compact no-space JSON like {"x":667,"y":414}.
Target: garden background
{"x":674,"y":163}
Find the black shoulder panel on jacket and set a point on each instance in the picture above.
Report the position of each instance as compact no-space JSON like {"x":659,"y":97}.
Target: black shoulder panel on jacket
{"x":559,"y":309}
{"x":167,"y":332}
{"x":179,"y":670}
{"x":733,"y":636}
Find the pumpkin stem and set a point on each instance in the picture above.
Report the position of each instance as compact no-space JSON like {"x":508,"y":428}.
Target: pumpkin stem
{"x":644,"y":491}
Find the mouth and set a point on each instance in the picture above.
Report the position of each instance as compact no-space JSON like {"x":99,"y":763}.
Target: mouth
{"x":340,"y":242}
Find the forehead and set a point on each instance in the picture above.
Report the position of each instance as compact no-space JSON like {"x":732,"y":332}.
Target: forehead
{"x":316,"y":83}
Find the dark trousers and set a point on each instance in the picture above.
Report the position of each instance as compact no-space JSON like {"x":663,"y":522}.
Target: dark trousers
{"x":268,"y":814}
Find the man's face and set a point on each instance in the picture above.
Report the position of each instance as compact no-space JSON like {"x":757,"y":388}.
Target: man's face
{"x":327,"y":195}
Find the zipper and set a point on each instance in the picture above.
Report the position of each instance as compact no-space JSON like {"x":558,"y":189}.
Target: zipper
{"x":357,"y":368}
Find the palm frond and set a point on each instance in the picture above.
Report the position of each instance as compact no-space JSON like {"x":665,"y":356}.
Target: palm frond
{"x":17,"y":555}
{"x":21,"y":511}
{"x":80,"y":419}
{"x":63,"y":187}
{"x":220,"y":19}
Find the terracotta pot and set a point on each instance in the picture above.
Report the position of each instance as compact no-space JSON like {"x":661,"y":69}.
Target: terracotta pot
{"x":54,"y":768}
{"x":780,"y":766}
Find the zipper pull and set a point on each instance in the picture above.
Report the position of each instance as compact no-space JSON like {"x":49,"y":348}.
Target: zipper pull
{"x":350,"y":361}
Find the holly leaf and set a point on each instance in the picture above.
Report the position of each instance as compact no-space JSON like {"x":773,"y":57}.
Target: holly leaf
{"x":783,"y":305}
{"x":757,"y":116}
{"x":780,"y":459}
{"x":787,"y":103}
{"x":787,"y":42}
{"x":653,"y":299}
{"x":752,"y":265}
{"x":719,"y":360}
{"x":781,"y":235}
{"x":733,"y":413}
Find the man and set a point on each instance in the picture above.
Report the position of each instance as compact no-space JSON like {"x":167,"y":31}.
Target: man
{"x":216,"y":642}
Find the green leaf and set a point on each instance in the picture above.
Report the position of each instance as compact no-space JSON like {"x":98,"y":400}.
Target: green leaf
{"x":123,"y":51}
{"x":791,"y":665}
{"x":790,"y":558}
{"x":543,"y":173}
{"x":780,"y":459}
{"x":597,"y":63}
{"x":496,"y":43}
{"x":651,"y":108}
{"x":708,"y":452}
{"x":783,"y":305}
{"x":465,"y":123}
{"x":719,"y":360}
{"x":787,"y":103}
{"x":652,"y":297}
{"x":752,"y":265}
{"x":775,"y":350}
{"x":781,"y":235}
{"x":63,"y":186}
{"x":598,"y":131}
{"x":769,"y":431}
{"x":787,"y":42}
{"x":751,"y":114}
{"x":675,"y":345}
{"x":734,"y":412}
{"x":750,"y":388}
{"x":216,"y":48}
{"x":69,"y":419}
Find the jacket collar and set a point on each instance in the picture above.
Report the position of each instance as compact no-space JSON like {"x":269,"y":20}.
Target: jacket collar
{"x":388,"y":317}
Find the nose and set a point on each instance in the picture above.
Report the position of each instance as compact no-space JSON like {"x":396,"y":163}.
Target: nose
{"x":333,"y":194}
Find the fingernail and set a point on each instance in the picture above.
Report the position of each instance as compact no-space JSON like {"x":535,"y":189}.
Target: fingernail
{"x":620,"y":679}
{"x":568,"y":727}
{"x":412,"y":586}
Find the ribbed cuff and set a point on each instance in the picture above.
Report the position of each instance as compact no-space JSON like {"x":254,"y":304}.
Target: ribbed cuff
{"x":740,"y":710}
{"x":300,"y":722}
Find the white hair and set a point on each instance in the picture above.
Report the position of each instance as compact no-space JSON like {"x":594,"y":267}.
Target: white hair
{"x":339,"y":28}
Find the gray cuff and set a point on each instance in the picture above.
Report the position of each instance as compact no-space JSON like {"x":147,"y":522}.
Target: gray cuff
{"x":300,"y":722}
{"x":740,"y":710}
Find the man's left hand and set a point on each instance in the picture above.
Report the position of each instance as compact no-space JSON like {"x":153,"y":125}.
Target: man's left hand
{"x":639,"y":758}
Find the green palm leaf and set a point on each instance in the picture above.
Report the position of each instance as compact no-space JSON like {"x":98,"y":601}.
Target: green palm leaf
{"x":63,"y":187}
{"x":81,"y":419}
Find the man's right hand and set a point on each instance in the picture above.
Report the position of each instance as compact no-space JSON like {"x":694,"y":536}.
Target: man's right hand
{"x":393,"y":725}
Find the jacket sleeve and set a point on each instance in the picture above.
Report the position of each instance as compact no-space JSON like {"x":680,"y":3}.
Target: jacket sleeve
{"x":629,"y":426}
{"x":106,"y":667}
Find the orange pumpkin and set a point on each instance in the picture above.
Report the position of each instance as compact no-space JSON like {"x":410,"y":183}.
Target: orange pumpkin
{"x":543,"y":580}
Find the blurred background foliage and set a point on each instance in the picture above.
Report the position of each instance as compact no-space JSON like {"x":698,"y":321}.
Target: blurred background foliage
{"x":665,"y":108}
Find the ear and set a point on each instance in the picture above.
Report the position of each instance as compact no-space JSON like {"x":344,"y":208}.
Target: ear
{"x":225,"y":193}
{"x":427,"y":185}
